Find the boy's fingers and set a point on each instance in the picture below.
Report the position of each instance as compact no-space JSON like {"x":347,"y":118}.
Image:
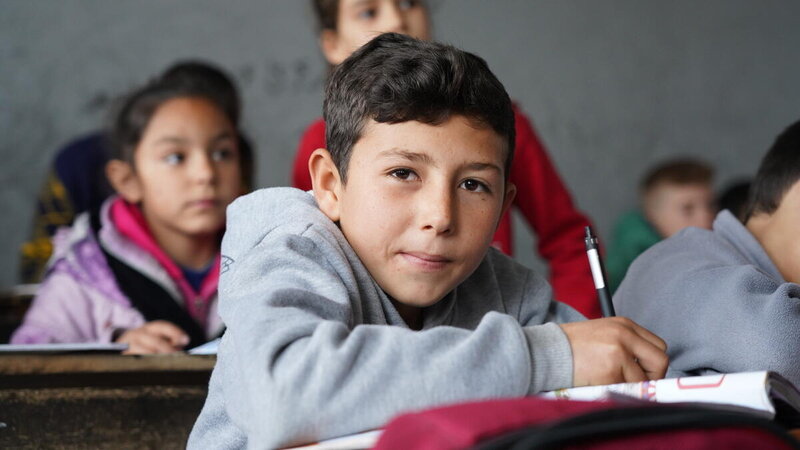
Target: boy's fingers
{"x":644,"y":333}
{"x":632,"y":372}
{"x":169,"y":331}
{"x":650,"y":337}
{"x":650,"y":358}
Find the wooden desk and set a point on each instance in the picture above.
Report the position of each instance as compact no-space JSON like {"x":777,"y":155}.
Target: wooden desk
{"x":100,"y":400}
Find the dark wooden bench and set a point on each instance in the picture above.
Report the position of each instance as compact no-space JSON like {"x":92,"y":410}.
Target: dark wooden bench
{"x":100,"y":400}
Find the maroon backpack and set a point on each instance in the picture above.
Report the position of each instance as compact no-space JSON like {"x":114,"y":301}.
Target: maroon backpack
{"x":534,"y":423}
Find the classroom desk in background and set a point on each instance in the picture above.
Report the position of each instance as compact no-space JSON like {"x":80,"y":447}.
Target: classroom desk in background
{"x":100,"y":400}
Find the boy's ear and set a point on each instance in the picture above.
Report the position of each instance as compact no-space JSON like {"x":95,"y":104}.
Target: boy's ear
{"x":332,"y":47}
{"x":122,"y":178}
{"x":326,"y":182}
{"x":511,"y":193}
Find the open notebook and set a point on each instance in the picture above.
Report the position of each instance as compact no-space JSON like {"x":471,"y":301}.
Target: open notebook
{"x":766,"y":393}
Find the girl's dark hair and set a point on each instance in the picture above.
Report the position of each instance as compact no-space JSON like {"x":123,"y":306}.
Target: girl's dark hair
{"x":327,"y":12}
{"x":779,"y":171}
{"x":395,"y":78}
{"x":207,"y":76}
{"x":186,"y":79}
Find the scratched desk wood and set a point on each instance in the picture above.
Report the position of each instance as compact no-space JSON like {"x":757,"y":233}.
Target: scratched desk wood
{"x":100,"y":400}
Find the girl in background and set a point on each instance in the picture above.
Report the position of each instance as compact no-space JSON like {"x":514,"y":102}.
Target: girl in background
{"x":143,"y":269}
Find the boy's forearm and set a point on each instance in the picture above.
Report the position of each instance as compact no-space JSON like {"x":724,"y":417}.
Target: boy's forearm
{"x":338,"y":381}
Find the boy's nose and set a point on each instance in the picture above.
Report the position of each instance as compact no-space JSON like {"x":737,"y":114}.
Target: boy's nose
{"x":438,"y":212}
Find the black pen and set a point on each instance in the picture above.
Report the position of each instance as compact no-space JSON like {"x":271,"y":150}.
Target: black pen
{"x":598,"y":274}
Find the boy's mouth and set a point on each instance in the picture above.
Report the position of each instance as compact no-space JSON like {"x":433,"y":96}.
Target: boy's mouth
{"x":426,"y":261}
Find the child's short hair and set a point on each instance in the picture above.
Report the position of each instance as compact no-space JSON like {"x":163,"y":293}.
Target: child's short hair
{"x":779,"y":171}
{"x":395,"y":78}
{"x":677,"y":172}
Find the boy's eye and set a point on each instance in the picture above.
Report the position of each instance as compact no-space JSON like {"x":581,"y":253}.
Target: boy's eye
{"x":403,"y":174}
{"x":174,"y":159}
{"x":474,"y":186}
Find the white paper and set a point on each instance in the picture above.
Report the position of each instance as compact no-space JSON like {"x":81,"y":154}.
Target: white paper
{"x":746,"y":389}
{"x":63,"y":348}
{"x":209,"y":348}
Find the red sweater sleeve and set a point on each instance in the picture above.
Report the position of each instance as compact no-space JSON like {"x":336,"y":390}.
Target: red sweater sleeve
{"x":547,"y":206}
{"x":312,"y":139}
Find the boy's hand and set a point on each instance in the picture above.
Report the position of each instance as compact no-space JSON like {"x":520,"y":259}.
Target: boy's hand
{"x":614,"y":350}
{"x":158,"y":336}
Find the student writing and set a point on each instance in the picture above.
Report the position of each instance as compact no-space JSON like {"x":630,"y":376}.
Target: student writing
{"x":380,"y":292}
{"x":143,"y":270}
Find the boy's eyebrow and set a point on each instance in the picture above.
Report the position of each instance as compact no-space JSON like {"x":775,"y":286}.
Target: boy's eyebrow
{"x":407,"y":154}
{"x":484,"y":166}
{"x":426,"y":159}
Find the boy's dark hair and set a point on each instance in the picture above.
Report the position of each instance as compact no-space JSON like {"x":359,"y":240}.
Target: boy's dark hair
{"x":734,"y":198}
{"x":678,"y":171}
{"x":395,"y":78}
{"x":137,"y":108}
{"x":779,"y":171}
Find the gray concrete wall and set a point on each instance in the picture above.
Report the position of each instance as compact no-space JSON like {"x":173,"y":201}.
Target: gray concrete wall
{"x":612,"y":86}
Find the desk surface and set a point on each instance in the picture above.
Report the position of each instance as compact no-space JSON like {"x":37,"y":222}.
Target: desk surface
{"x":100,"y":400}
{"x":107,"y":370}
{"x":29,"y":364}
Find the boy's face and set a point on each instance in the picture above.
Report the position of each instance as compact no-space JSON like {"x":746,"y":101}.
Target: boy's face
{"x":673,"y":207}
{"x":422,"y":203}
{"x":358,"y":21}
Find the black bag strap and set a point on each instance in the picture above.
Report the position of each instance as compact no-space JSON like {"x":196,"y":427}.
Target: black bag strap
{"x":631,"y":420}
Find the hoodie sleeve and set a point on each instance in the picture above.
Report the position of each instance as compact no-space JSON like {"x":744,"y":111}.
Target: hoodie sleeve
{"x":295,"y":366}
{"x":714,"y":311}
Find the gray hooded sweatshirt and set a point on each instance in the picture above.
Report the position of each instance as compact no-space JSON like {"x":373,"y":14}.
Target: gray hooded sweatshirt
{"x":718,"y":301}
{"x":315,"y":349}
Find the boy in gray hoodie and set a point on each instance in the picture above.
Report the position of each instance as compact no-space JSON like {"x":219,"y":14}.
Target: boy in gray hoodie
{"x":728,"y":299}
{"x":379,"y":293}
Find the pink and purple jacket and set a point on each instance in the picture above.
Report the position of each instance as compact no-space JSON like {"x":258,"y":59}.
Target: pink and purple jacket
{"x":81,"y":300}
